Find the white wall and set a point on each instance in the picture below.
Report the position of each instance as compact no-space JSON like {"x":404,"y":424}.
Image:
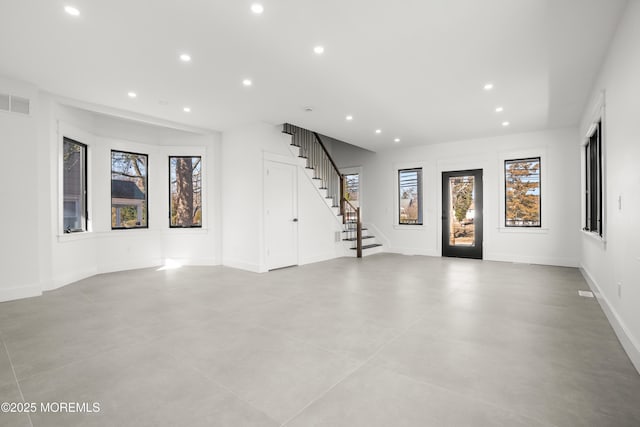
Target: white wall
{"x":19,"y":210}
{"x":556,"y":243}
{"x":74,"y":256}
{"x":616,"y":259}
{"x":244,"y":152}
{"x":33,"y":235}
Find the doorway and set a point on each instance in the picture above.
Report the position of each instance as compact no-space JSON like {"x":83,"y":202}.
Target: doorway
{"x":462,"y":214}
{"x":281,"y":214}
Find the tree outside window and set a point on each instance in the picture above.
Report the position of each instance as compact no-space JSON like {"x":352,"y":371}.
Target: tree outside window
{"x":410,"y":190}
{"x":185,"y":191}
{"x":128,"y":190}
{"x":522,"y":192}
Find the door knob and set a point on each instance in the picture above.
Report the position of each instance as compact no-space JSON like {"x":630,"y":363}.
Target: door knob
{"x":295,"y":219}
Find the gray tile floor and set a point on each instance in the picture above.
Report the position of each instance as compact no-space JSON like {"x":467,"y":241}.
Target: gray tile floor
{"x":388,"y":340}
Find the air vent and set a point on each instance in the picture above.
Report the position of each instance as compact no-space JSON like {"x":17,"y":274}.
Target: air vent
{"x":19,"y":105}
{"x":586,"y":294}
{"x":4,"y":102}
{"x":15,"y":104}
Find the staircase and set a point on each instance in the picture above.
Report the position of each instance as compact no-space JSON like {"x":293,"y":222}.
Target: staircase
{"x":322,"y":170}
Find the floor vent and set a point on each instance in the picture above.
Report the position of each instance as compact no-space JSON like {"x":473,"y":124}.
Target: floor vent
{"x":15,"y":104}
{"x":586,"y":294}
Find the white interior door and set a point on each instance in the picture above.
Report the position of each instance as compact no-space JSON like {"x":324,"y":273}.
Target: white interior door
{"x":281,"y":214}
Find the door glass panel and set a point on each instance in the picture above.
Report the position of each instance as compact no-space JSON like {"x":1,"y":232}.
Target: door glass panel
{"x":461,"y":211}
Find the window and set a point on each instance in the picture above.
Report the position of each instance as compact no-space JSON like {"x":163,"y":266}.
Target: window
{"x":522,"y":192}
{"x":75,"y":186}
{"x":593,"y":181}
{"x":352,"y":188}
{"x":185,"y":191}
{"x":128,"y":190}
{"x":410,"y":194}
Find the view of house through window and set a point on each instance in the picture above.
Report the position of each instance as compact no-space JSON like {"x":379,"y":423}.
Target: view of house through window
{"x":75,"y":186}
{"x":352,"y":188}
{"x":410,"y":188}
{"x":128,"y":190}
{"x":522,"y":192}
{"x":185,"y":191}
{"x":593,"y":181}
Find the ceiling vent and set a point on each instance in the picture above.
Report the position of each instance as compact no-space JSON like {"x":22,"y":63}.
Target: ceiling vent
{"x":14,"y":104}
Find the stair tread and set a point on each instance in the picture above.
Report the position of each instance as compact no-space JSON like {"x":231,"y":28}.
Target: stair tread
{"x":373,"y":245}
{"x":355,"y":238}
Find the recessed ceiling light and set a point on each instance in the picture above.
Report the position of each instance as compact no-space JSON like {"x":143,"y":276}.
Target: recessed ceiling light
{"x":349,"y":118}
{"x":257,"y":8}
{"x":505,"y":124}
{"x":378,"y":131}
{"x":132,"y":95}
{"x":499,"y":109}
{"x":72,"y":11}
{"x":396,"y":140}
{"x":488,"y":86}
{"x":247,"y":82}
{"x":319,"y":50}
{"x":185,"y":57}
{"x":187,"y":109}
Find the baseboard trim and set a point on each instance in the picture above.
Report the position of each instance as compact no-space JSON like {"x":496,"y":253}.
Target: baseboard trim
{"x":20,"y":292}
{"x":410,"y":251}
{"x":67,"y":279}
{"x":195,"y":262}
{"x":558,"y":262}
{"x":629,"y":343}
{"x":242,"y":265}
{"x":318,"y":258}
{"x":151,"y":263}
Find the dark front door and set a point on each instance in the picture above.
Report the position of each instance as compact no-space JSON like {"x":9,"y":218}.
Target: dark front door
{"x":462,"y":214}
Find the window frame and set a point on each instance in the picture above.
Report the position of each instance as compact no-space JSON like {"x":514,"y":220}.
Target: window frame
{"x":594,"y":177}
{"x":84,"y":184}
{"x":524,"y":159}
{"x":201,"y":191}
{"x":419,"y":192}
{"x":146,"y":193}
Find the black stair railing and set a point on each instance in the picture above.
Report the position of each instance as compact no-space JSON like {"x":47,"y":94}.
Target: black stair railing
{"x":353,"y":225}
{"x":324,"y":169}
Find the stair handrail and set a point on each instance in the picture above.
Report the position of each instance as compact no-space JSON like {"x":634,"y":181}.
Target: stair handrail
{"x":335,"y":168}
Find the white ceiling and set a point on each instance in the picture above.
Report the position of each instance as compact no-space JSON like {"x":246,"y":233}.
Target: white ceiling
{"x":413,"y":68}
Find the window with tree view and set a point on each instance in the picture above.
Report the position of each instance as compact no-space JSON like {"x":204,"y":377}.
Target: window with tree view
{"x":128,"y":190}
{"x":410,"y":193}
{"x":352,"y":188}
{"x":75,"y":186}
{"x":522,"y":192}
{"x":185,"y":191}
